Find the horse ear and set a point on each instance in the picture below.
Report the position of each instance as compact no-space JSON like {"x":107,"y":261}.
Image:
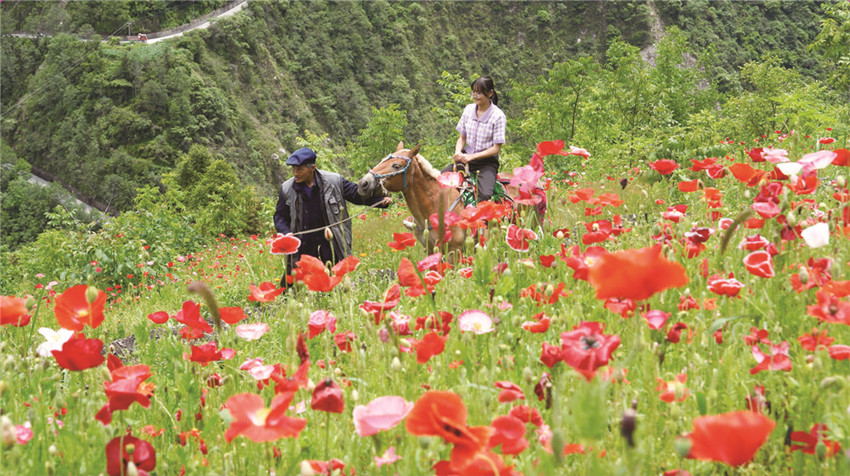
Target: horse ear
{"x":414,"y":151}
{"x":400,"y":146}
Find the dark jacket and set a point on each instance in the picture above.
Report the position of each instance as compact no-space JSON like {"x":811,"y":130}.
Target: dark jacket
{"x":334,"y":190}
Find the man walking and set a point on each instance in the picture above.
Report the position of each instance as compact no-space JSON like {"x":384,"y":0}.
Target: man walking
{"x":314,"y":199}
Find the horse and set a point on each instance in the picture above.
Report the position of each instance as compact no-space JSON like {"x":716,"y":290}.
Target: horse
{"x":411,"y":174}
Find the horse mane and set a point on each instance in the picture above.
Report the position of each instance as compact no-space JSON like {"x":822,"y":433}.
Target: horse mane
{"x":427,"y":167}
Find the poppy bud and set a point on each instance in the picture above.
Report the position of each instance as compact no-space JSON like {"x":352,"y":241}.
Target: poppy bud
{"x":804,"y":275}
{"x":791,"y":218}
{"x":527,"y":375}
{"x":747,"y":194}
{"x":306,"y":469}
{"x":557,"y":443}
{"x":91,"y":294}
{"x":50,"y":470}
{"x":830,"y":382}
{"x":841,"y":181}
{"x":424,"y":442}
{"x":52,"y":450}
{"x":7,"y":431}
{"x":355,"y":395}
{"x":4,"y":386}
{"x":683,"y":446}
{"x":30,"y":303}
{"x":469,"y":242}
{"x":820,"y":450}
{"x":817,"y":364}
{"x":107,"y":375}
{"x":396,"y":364}
{"x":329,"y":235}
{"x":9,"y":363}
{"x":628,"y":424}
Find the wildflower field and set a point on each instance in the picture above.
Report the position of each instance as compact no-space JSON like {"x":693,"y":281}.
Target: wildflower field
{"x":687,"y":317}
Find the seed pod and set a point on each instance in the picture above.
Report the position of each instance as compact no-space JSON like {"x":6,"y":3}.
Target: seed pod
{"x":683,"y":446}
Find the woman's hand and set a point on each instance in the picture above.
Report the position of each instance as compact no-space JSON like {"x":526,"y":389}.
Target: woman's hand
{"x":461,"y":158}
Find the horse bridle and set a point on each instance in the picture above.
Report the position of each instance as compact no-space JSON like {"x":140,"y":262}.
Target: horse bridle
{"x":402,"y":171}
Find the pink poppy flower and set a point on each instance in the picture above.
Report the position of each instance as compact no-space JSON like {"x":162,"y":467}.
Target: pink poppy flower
{"x":579,"y":151}
{"x":656,"y":318}
{"x":817,"y":235}
{"x":252,"y":331}
{"x":382,"y":413}
{"x":450,"y":180}
{"x":388,"y":457}
{"x":319,"y":321}
{"x":475,"y":321}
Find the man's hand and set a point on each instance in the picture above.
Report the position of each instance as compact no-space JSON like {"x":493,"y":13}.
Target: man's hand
{"x":387,"y":201}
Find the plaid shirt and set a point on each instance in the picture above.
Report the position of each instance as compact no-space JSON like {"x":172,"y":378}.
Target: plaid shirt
{"x":482,"y":133}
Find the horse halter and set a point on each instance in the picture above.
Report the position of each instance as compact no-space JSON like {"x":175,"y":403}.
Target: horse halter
{"x":402,"y":171}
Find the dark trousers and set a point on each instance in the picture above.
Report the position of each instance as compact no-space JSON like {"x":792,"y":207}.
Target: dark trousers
{"x":484,"y":171}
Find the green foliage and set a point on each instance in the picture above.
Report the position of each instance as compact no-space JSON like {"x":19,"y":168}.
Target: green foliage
{"x":384,"y":130}
{"x":833,"y":42}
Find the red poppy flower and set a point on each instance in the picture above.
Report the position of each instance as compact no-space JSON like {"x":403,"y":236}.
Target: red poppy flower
{"x":674,"y":335}
{"x":343,"y":340}
{"x":79,"y":353}
{"x":547,"y":260}
{"x":551,"y":147}
{"x":809,"y":441}
{"x":190,"y":315}
{"x":725,"y":286}
{"x":539,"y":326}
{"x":674,"y":391}
{"x":443,"y":414}
{"x":777,"y":360}
{"x":327,"y":397}
{"x":232,"y":315}
{"x":391,"y":298}
{"x":510,"y":391}
{"x":842,"y":157}
{"x":408,"y":277}
{"x":430,"y":345}
{"x":759,"y":264}
{"x":586,"y":348}
{"x":731,"y":438}
{"x":816,"y":340}
{"x":527,"y":414}
{"x":159,"y":317}
{"x":73,"y":310}
{"x":547,"y":294}
{"x":830,"y":309}
{"x":266,"y":292}
{"x":484,"y":463}
{"x":689,"y":186}
{"x":402,"y":241}
{"x":635,"y":274}
{"x":209,"y":352}
{"x":597,"y":232}
{"x":329,"y":468}
{"x":117,"y":456}
{"x":518,"y":238}
{"x":252,"y":419}
{"x":839,"y":352}
{"x":13,"y":311}
{"x":127,"y":386}
{"x":314,"y":274}
{"x":285,"y":244}
{"x":664,"y":166}
{"x":747,"y":174}
{"x":509,"y":432}
{"x":581,"y":262}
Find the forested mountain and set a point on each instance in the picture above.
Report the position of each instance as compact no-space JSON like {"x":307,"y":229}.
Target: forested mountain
{"x":355,"y":77}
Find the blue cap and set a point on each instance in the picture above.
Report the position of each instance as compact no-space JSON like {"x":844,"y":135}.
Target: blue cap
{"x":302,"y":156}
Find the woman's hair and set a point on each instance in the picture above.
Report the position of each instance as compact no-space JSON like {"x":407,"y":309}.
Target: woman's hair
{"x":485,"y":85}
